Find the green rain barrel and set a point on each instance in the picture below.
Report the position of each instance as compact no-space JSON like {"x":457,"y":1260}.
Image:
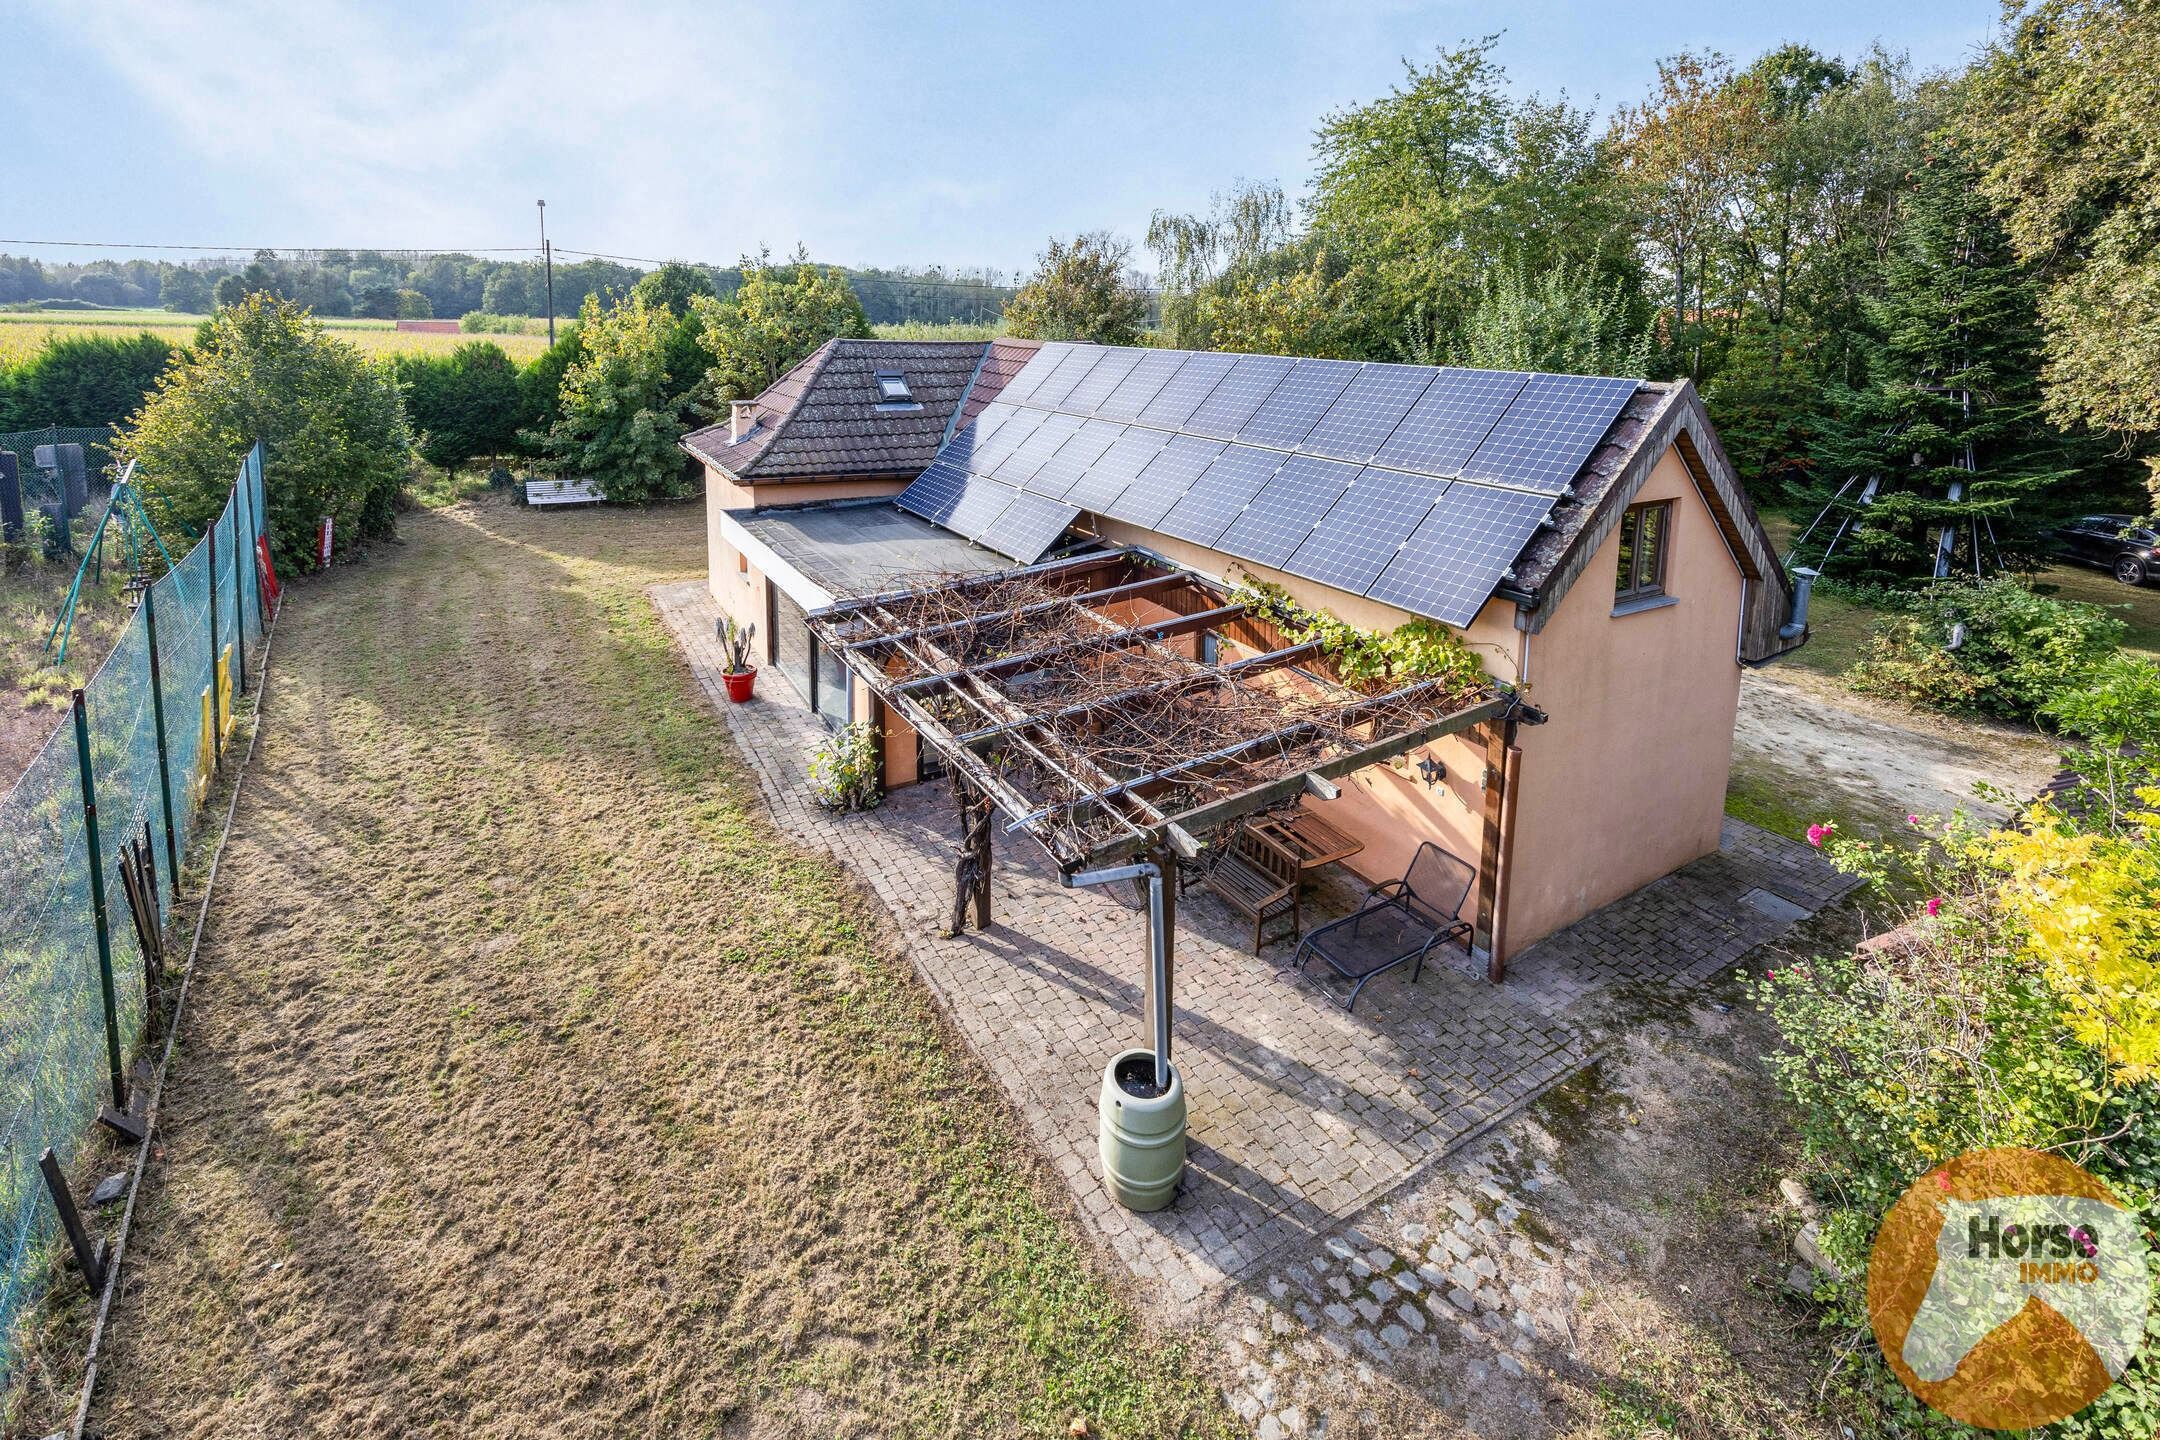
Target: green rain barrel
{"x":1142,"y":1133}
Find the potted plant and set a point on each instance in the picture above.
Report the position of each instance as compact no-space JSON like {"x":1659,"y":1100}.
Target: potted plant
{"x":740,"y":674}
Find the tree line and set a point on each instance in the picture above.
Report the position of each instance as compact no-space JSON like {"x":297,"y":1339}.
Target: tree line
{"x":1925,"y":304}
{"x":388,"y":285}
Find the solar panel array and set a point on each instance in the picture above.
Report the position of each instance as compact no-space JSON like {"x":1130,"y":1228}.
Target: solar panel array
{"x":1415,"y":486}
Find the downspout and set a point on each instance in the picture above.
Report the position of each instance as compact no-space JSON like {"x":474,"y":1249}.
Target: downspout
{"x":1794,"y":632}
{"x":1510,"y":773}
{"x":1803,"y":587}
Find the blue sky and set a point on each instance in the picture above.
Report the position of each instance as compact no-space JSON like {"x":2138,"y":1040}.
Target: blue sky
{"x":873,"y":133}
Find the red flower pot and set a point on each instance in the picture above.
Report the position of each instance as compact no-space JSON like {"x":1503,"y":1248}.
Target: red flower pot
{"x":738,"y":684}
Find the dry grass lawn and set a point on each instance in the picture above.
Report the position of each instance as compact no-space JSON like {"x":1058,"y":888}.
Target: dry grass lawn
{"x":534,"y":1084}
{"x":33,"y":691}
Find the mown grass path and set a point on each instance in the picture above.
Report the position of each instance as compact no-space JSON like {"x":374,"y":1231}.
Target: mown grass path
{"x":534,"y":1084}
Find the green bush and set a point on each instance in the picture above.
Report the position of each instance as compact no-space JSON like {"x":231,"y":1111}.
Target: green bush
{"x":82,"y":380}
{"x":331,"y":421}
{"x":844,"y":769}
{"x":462,"y":406}
{"x":2014,"y":650}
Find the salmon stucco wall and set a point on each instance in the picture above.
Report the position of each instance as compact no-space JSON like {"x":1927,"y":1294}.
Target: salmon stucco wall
{"x":1626,"y":780}
{"x":735,"y":582}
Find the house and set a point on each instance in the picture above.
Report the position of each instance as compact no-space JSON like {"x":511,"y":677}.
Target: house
{"x":1585,"y":535}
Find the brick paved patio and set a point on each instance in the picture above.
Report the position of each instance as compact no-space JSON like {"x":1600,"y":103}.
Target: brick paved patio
{"x":1301,"y":1114}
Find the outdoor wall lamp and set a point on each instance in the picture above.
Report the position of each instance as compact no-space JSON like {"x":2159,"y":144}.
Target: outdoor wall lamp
{"x":1433,"y":771}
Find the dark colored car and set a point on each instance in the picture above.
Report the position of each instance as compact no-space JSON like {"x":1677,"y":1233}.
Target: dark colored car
{"x":2116,"y":543}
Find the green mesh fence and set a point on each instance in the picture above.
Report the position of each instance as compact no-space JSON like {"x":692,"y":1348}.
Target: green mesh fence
{"x":55,"y":1065}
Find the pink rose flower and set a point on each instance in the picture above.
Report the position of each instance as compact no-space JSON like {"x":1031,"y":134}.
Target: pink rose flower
{"x":1912,"y":819}
{"x":1934,"y":905}
{"x":1816,"y":834}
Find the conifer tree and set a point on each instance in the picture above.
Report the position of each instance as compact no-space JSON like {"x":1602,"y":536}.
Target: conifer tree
{"x":1948,"y":425}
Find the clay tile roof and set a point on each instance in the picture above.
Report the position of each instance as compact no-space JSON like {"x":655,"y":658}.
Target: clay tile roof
{"x":823,"y":418}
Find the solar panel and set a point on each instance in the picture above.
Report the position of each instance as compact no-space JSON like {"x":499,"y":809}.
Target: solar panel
{"x":933,"y":493}
{"x":1453,"y":560}
{"x":1450,"y":420}
{"x":1251,"y":380}
{"x":981,"y":502}
{"x":1277,"y":520}
{"x":1554,"y":424}
{"x":1109,"y":372}
{"x":1288,"y":415}
{"x":1127,"y":456}
{"x":993,"y":417}
{"x":1027,"y":527}
{"x":1362,"y":418}
{"x":1355,"y":541}
{"x":988,"y":453}
{"x":1080,"y":450}
{"x":1132,"y":395}
{"x":1219,"y":494}
{"x":1175,"y":403}
{"x":1165,"y":480}
{"x":1028,"y":456}
{"x":1036,"y":370}
{"x":1070,"y":372}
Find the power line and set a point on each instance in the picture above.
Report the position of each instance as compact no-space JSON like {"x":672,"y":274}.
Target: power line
{"x":251,"y":249}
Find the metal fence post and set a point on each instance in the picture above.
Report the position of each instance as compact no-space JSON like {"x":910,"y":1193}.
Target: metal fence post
{"x":157,"y":711}
{"x":239,"y":595}
{"x":217,"y":740}
{"x":97,"y":904}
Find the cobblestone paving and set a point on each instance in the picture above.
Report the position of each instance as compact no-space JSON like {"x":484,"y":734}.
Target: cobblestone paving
{"x":1307,"y":1124}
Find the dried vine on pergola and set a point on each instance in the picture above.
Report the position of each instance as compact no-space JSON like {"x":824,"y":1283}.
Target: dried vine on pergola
{"x":1092,"y":730}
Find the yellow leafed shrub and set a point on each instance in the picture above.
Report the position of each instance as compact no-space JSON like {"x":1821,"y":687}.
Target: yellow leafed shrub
{"x":2089,"y":906}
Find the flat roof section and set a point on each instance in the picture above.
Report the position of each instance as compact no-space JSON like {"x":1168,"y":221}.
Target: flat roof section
{"x":863,"y":549}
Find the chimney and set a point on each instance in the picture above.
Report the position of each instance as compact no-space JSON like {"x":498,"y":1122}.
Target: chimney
{"x":742,"y":419}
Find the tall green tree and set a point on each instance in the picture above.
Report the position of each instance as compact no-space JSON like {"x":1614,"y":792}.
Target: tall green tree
{"x":1567,"y":319}
{"x":1949,"y":422}
{"x":331,"y":420}
{"x":780,"y":314}
{"x":2065,"y":110}
{"x":619,"y":420}
{"x":672,"y":286}
{"x":1081,"y":290}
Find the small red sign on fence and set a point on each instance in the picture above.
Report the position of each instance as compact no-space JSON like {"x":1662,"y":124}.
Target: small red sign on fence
{"x":266,"y":573}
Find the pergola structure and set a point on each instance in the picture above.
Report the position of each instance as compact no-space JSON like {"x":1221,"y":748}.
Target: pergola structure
{"x":1119,"y":710}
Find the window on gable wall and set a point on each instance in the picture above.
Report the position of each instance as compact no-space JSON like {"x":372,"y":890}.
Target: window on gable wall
{"x":1643,"y":532}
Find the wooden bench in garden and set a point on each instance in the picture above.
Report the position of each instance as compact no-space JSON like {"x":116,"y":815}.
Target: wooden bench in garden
{"x":1258,"y":878}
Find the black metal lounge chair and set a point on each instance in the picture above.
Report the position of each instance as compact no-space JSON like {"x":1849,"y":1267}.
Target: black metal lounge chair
{"x":1399,"y":923}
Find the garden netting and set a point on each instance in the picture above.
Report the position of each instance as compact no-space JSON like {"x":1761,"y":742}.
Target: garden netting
{"x":54,"y":1056}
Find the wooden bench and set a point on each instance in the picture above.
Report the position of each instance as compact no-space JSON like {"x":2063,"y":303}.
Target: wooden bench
{"x":1258,"y":878}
